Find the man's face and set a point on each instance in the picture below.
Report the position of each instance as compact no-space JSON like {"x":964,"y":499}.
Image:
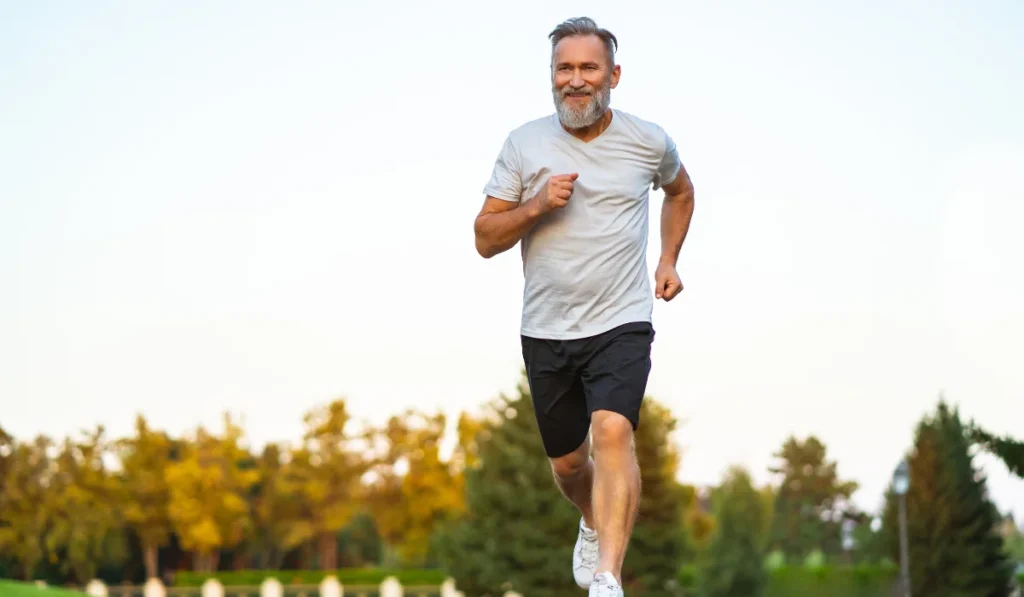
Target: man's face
{"x":582,"y":80}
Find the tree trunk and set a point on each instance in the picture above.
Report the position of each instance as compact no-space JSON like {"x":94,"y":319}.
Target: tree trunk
{"x":150,"y":555}
{"x":328,"y":551}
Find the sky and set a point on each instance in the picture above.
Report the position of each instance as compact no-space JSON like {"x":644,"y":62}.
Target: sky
{"x":258,"y":207}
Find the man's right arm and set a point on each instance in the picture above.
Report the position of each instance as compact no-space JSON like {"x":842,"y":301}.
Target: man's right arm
{"x":501,"y":224}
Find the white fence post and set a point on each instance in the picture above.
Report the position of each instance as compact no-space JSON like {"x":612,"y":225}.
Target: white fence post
{"x":330,"y":587}
{"x":448,"y":588}
{"x":154,"y":588}
{"x":391,"y":587}
{"x":212,"y":588}
{"x":271,"y":587}
{"x":96,"y":588}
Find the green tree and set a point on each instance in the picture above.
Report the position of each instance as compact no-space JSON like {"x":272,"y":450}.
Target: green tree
{"x":518,"y":530}
{"x":811,"y":502}
{"x":733,"y":564}
{"x":954,"y":545}
{"x":144,"y":461}
{"x":658,"y":544}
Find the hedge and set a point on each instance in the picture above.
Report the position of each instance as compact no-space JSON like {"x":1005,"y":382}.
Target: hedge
{"x":346,"y":576}
{"x":821,"y":581}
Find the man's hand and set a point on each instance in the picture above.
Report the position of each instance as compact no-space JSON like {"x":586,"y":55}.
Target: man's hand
{"x":555,"y":193}
{"x":666,"y":282}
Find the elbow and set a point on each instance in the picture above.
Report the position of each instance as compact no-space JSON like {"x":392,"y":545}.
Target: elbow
{"x":484,"y":248}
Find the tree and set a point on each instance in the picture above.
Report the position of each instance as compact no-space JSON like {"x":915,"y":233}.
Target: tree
{"x":323,"y":478}
{"x":659,"y":541}
{"x":811,"y":502}
{"x":733,"y":565}
{"x":272,"y":511}
{"x":208,"y":489}
{"x":84,"y":506}
{"x":953,"y":539}
{"x":144,"y":462}
{"x":518,"y":530}
{"x":23,"y":504}
{"x":407,"y":505}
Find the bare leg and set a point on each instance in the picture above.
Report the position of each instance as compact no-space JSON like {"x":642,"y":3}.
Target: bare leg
{"x":574,"y":476}
{"x":616,"y":488}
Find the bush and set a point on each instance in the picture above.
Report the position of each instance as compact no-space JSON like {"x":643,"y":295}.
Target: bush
{"x":822,"y":581}
{"x":831,"y":581}
{"x":346,"y":576}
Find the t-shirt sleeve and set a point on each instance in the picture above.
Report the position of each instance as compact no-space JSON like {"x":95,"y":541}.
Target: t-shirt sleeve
{"x":670,"y":164}
{"x":506,"y":182}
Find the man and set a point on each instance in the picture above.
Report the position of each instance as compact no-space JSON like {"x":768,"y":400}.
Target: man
{"x":573,"y":188}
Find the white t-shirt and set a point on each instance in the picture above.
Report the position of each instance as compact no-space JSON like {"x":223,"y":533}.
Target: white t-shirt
{"x":585,"y":265}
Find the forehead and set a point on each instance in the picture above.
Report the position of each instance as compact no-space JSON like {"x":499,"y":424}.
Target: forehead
{"x":580,"y":49}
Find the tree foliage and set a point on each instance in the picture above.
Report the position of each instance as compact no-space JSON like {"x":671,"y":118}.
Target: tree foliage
{"x":952,"y":526}
{"x":733,"y":564}
{"x":209,"y":485}
{"x":811,"y":501}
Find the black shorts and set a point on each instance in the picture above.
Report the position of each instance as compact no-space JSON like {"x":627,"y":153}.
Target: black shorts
{"x":570,"y":379}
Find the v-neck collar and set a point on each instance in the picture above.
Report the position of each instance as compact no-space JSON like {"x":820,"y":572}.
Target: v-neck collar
{"x":592,"y":142}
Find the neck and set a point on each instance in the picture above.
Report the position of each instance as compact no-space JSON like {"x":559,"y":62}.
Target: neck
{"x":592,"y":131}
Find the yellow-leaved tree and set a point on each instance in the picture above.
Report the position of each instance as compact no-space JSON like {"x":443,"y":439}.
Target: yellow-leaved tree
{"x":322,"y":481}
{"x":85,"y":524}
{"x":144,"y":462}
{"x":23,"y":508}
{"x":209,"y":484}
{"x":415,"y":489}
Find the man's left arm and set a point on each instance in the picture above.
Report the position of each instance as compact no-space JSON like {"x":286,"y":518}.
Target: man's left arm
{"x":676,"y":212}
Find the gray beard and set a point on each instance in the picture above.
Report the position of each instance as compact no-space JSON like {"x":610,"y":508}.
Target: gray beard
{"x":577,"y":119}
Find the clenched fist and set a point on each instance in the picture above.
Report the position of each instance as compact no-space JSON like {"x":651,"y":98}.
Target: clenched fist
{"x":666,"y":282}
{"x":556,"y":192}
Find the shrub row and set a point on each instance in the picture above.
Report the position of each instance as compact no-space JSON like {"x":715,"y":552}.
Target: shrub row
{"x":346,"y":576}
{"x":833,"y":581}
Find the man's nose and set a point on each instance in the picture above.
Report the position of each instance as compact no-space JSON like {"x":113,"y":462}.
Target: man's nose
{"x":577,"y":79}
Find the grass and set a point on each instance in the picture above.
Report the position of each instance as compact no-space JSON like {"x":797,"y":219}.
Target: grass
{"x":9,"y":588}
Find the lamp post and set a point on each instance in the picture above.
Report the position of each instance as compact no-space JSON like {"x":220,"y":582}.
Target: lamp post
{"x":900,"y":485}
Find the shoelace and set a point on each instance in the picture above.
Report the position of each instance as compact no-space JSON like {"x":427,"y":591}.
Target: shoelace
{"x":604,"y":589}
{"x":588,"y":552}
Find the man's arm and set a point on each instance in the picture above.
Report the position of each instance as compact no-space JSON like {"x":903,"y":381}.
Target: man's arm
{"x":676,"y":212}
{"x":501,"y":224}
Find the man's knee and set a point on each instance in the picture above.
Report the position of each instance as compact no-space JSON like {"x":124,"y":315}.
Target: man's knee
{"x":572,"y":464}
{"x":611,"y":431}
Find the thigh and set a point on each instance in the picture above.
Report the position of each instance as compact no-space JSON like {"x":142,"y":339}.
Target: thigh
{"x":615,"y":376}
{"x":556,"y":389}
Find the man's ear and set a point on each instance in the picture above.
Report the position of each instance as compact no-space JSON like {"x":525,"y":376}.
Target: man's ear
{"x":616,"y":74}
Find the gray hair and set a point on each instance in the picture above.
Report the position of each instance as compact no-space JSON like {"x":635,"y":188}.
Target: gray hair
{"x":581,"y":27}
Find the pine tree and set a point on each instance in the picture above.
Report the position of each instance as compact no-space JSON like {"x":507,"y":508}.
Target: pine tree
{"x":657,"y":546}
{"x":954,"y":545}
{"x":518,"y":531}
{"x":733,"y":565}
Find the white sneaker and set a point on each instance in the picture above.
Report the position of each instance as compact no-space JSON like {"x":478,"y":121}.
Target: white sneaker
{"x":605,"y":585}
{"x":584,"y":556}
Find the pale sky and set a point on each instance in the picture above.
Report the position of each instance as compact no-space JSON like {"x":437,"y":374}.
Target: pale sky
{"x":257,"y":207}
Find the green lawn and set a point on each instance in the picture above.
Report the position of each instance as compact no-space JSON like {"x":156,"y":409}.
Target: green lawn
{"x":9,"y":588}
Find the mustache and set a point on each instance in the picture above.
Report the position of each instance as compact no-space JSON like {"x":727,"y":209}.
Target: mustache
{"x":570,"y":90}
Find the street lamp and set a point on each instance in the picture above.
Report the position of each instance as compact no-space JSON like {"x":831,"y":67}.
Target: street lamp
{"x":900,"y":485}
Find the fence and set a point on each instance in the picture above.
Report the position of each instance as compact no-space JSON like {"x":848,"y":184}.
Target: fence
{"x":271,"y":587}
